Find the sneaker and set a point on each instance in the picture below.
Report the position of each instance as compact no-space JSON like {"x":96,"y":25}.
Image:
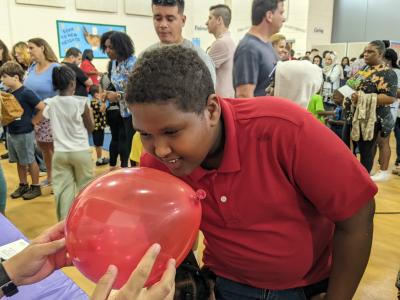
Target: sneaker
{"x":42,"y":174}
{"x":102,"y":161}
{"x":33,"y":192}
{"x":381,"y":176}
{"x":22,"y":189}
{"x":45,"y":182}
{"x":4,"y":156}
{"x":396,"y":171}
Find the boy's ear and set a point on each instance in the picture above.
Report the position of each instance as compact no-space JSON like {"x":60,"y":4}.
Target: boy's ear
{"x":213,"y":109}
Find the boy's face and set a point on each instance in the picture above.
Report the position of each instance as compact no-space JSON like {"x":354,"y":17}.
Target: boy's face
{"x":277,"y":17}
{"x":212,"y":22}
{"x":180,"y":140}
{"x":9,"y":81}
{"x":337,"y":98}
{"x":168,"y":23}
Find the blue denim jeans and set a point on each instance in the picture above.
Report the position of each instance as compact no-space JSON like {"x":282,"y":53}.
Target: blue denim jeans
{"x":226,"y":289}
{"x":3,"y":191}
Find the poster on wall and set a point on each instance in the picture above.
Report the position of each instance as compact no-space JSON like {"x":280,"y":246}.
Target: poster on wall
{"x":83,"y":36}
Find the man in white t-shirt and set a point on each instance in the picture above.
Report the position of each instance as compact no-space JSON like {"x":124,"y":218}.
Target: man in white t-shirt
{"x":169,"y":20}
{"x":222,"y":49}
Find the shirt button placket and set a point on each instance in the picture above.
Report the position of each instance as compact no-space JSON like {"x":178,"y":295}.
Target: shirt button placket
{"x":224,"y":199}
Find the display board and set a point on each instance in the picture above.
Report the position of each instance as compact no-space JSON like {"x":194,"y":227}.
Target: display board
{"x":83,"y":36}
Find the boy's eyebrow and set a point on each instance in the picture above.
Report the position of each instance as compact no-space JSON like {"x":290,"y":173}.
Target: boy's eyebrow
{"x":166,"y":128}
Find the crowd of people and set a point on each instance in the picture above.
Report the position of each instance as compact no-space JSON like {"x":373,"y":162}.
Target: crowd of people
{"x":209,"y":118}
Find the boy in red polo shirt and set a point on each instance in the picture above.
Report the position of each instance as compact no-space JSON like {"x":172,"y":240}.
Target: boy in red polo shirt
{"x":289,"y":210}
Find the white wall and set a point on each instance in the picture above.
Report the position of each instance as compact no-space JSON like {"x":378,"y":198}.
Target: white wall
{"x":320,"y":19}
{"x":28,"y":21}
{"x":22,"y":22}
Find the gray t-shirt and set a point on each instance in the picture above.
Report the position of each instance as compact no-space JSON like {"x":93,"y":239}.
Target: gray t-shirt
{"x":253,"y":63}
{"x":188,"y":44}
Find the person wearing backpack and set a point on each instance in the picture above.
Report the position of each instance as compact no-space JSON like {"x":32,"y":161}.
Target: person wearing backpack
{"x":20,"y":132}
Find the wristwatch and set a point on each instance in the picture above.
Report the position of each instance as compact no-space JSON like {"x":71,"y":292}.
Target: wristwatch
{"x":6,"y":285}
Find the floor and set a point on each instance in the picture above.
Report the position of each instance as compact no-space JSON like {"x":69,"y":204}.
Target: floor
{"x":32,"y":217}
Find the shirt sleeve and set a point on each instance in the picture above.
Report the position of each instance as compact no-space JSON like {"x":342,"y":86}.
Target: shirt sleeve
{"x":319,"y":104}
{"x":46,"y":111}
{"x":80,"y":76}
{"x":328,"y":174}
{"x":86,"y":67}
{"x":388,"y":84}
{"x":218,"y":53}
{"x":32,"y":99}
{"x":246,"y":68}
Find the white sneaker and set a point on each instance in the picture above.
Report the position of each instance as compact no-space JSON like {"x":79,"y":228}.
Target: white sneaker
{"x":381,"y":176}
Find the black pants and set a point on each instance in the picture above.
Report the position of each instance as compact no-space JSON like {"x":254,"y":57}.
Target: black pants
{"x":397,"y":135}
{"x":115,"y":122}
{"x":129,"y":132}
{"x":368,"y":150}
{"x":338,"y":130}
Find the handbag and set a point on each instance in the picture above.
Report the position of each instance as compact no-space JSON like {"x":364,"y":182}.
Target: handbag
{"x":11,"y":110}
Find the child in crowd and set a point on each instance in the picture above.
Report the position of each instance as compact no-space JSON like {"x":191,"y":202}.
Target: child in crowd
{"x":98,"y":105}
{"x":273,"y":224}
{"x":316,"y":107}
{"x":20,"y":133}
{"x":71,"y":120}
{"x":336,"y":122}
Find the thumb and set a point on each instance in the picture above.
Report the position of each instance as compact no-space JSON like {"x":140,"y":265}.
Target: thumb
{"x":105,"y":284}
{"x":51,"y":247}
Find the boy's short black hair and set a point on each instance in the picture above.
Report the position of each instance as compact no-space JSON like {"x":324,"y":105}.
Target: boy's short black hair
{"x":260,"y":8}
{"x":94,"y":89}
{"x":75,"y":52}
{"x":223,"y":11}
{"x":171,"y":74}
{"x":12,"y":68}
{"x":179,"y":3}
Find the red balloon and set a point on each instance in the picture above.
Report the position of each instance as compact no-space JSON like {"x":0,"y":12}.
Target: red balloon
{"x":118,"y":216}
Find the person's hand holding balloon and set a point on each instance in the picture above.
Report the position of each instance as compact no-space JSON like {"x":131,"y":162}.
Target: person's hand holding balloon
{"x":134,"y":288}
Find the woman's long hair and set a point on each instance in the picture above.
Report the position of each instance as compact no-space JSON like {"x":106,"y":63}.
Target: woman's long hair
{"x":22,"y":48}
{"x":5,"y":57}
{"x":48,"y":52}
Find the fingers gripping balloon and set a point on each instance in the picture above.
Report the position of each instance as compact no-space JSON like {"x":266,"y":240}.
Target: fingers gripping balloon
{"x":118,"y":216}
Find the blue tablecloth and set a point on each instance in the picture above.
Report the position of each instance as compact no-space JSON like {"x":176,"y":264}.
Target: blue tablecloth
{"x":57,"y":286}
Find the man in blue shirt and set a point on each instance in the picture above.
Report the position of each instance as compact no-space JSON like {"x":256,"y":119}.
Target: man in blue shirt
{"x":255,"y":58}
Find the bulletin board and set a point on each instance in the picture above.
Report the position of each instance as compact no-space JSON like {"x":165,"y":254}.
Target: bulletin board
{"x":83,"y":36}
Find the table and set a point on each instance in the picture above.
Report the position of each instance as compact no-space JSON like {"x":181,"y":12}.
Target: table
{"x":57,"y":286}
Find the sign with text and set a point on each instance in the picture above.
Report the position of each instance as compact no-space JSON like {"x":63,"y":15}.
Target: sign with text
{"x":83,"y":36}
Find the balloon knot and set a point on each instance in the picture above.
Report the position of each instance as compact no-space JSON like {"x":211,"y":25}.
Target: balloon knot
{"x":201,"y":194}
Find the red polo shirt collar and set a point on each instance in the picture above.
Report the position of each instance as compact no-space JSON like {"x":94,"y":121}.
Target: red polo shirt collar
{"x":231,"y":161}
